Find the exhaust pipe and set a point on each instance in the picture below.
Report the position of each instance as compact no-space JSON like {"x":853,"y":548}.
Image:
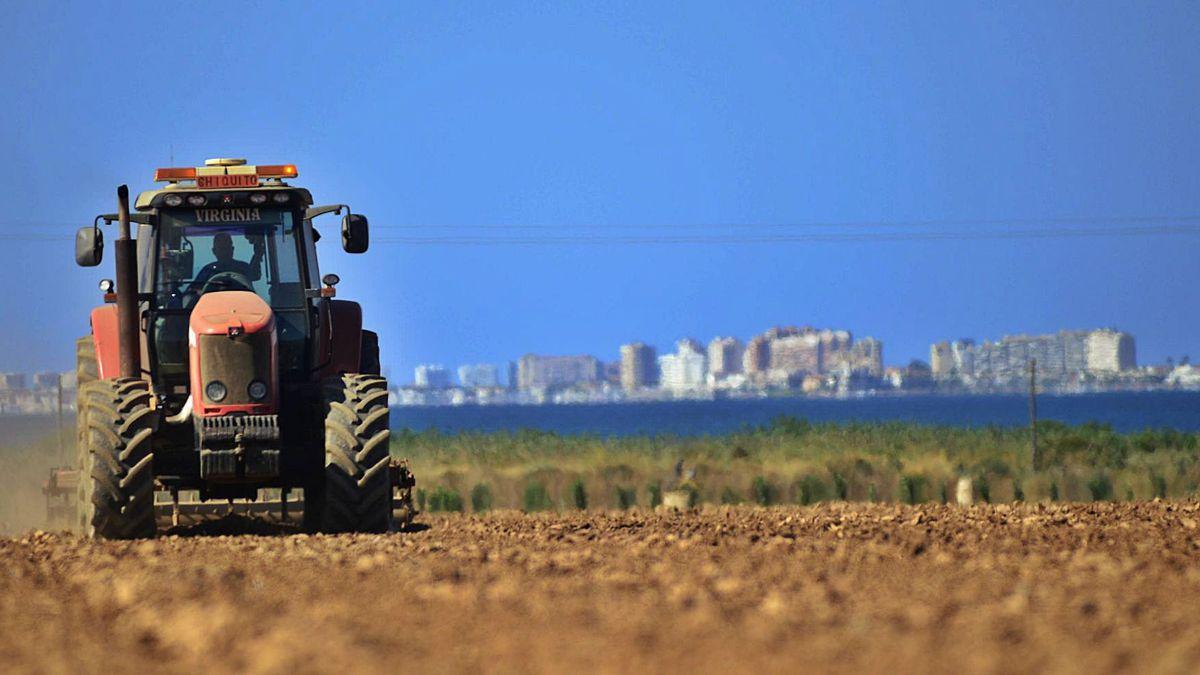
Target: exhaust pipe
{"x":125,"y":248}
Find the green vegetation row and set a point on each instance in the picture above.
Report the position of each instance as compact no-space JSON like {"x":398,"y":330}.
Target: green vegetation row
{"x":792,"y":461}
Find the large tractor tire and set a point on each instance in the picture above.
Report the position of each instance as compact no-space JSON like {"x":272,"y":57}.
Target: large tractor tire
{"x":83,"y":488}
{"x":86,"y":372}
{"x":353,"y":492}
{"x":86,"y":369}
{"x":116,"y":459}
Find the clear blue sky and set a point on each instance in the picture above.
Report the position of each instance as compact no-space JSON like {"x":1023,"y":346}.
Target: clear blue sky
{"x":677,"y":114}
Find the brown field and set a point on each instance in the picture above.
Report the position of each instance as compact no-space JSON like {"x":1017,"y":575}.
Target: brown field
{"x":838,"y":587}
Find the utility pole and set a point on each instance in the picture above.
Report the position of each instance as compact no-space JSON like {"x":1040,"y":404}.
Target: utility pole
{"x":62,"y":454}
{"x":1033,"y":412}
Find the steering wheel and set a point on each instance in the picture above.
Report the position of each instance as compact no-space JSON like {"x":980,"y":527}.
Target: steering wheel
{"x":227,"y":281}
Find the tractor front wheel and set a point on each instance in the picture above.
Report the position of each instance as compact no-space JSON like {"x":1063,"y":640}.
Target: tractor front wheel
{"x":86,"y":372}
{"x":116,"y":459}
{"x":353,"y":492}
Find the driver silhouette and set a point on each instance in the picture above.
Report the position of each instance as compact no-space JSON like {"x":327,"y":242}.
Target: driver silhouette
{"x":225,"y":262}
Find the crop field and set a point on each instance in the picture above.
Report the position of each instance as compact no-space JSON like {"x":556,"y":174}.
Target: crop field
{"x":1099,"y":587}
{"x":794,"y":462}
{"x":788,"y":462}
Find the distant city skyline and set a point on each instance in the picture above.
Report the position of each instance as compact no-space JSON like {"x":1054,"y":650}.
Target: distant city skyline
{"x":773,"y":357}
{"x":1146,"y":354}
{"x":809,"y":361}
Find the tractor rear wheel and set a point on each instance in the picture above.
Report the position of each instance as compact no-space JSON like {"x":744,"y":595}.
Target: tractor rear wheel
{"x":116,"y":457}
{"x":353,"y":492}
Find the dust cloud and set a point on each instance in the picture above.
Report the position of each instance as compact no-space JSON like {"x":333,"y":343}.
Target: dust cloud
{"x":29,"y":449}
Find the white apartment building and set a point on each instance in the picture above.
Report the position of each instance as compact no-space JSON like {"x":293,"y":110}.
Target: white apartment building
{"x":685,"y":370}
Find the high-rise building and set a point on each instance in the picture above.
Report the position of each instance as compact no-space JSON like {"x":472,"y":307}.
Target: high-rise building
{"x":796,"y":355}
{"x":1110,"y":351}
{"x":962,"y":353}
{"x":1019,"y":352}
{"x":512,"y":376}
{"x":545,"y":372}
{"x":1059,"y":356}
{"x":941,"y":360}
{"x":757,"y":358}
{"x":684,"y":370}
{"x":835,"y":350}
{"x":639,"y":366}
{"x":478,"y":375}
{"x":725,"y":357}
{"x":866,"y":357}
{"x":431,"y":376}
{"x":12,"y":381}
{"x":1047,"y":350}
{"x":785,"y":354}
{"x":1074,"y":351}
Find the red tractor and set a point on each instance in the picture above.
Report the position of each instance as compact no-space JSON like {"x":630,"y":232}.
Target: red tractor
{"x":221,"y":364}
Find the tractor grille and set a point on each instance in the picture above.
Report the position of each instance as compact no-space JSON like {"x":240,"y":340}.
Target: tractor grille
{"x":235,"y":361}
{"x":235,"y":427}
{"x":239,"y":447}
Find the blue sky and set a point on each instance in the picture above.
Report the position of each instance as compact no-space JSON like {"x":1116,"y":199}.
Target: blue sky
{"x":635,"y":119}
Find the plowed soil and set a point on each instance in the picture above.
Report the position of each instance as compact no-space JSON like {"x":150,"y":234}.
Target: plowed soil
{"x":843,"y":587}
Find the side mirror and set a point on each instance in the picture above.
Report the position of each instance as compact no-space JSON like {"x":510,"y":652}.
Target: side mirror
{"x":89,"y":246}
{"x":354,"y":233}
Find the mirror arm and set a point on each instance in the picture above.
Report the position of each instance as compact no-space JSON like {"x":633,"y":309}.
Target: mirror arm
{"x":139,"y":218}
{"x":315,"y":211}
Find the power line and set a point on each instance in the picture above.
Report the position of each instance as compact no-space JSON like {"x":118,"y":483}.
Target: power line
{"x":34,"y":237}
{"x":740,"y":239}
{"x":865,"y":224}
{"x":964,"y":235}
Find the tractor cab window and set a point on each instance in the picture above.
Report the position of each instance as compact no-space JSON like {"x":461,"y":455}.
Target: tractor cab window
{"x":200,"y":251}
{"x":245,"y":249}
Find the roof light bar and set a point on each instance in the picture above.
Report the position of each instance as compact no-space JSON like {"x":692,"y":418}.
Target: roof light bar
{"x":174,"y":175}
{"x":177,"y":174}
{"x":277,"y":170}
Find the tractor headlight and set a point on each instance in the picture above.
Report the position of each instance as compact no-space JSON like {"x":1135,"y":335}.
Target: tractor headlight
{"x":215,"y":391}
{"x":258,"y":198}
{"x":280,"y":197}
{"x":257,"y":390}
{"x":172,"y":200}
{"x":197,"y":200}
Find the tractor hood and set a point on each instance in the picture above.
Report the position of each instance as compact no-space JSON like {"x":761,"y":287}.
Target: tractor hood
{"x":231,"y":313}
{"x":233,"y":355}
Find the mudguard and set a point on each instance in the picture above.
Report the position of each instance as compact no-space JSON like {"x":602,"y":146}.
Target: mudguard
{"x":104,"y":335}
{"x":345,"y":338}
